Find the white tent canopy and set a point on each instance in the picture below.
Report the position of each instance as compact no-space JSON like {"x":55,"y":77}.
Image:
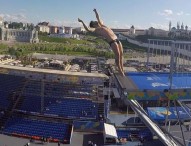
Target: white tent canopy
{"x":110,"y":131}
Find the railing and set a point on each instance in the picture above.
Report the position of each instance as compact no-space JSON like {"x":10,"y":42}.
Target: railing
{"x":165,"y":137}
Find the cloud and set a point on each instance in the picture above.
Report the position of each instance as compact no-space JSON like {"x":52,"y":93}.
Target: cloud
{"x":160,"y":26}
{"x":166,"y":12}
{"x":65,"y":23}
{"x":187,"y":14}
{"x":117,"y":24}
{"x":71,"y":23}
{"x":169,"y":19}
{"x":114,"y":24}
{"x":20,"y":17}
{"x":23,"y":10}
{"x":180,"y":13}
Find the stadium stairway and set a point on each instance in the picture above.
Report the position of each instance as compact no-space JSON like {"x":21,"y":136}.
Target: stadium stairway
{"x":16,"y":99}
{"x":101,"y":109}
{"x":19,"y":96}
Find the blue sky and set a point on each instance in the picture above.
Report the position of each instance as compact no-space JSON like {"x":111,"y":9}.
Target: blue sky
{"x":115,"y":13}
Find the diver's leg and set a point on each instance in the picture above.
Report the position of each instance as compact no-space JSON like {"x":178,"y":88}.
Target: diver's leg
{"x":121,"y":55}
{"x":119,"y":66}
{"x":117,"y":53}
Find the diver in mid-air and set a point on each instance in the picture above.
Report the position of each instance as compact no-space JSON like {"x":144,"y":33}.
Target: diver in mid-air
{"x":98,"y":28}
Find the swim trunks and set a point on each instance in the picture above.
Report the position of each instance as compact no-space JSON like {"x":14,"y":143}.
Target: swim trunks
{"x":113,"y":41}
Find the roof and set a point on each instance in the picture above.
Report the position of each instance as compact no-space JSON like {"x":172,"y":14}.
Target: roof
{"x":110,"y":131}
{"x":120,"y":30}
{"x":140,"y":30}
{"x":49,"y":71}
{"x":43,"y":23}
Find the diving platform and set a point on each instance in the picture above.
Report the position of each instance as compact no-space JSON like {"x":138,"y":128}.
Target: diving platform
{"x":155,"y":85}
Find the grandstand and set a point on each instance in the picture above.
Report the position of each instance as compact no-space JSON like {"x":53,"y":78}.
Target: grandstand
{"x":59,"y":103}
{"x":41,"y":103}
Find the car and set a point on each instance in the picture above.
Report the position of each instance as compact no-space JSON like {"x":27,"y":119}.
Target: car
{"x":133,"y":121}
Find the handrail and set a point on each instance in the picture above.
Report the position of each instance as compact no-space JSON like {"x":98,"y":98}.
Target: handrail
{"x":165,"y":138}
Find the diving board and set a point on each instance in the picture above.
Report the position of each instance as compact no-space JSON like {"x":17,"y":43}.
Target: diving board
{"x":155,"y":85}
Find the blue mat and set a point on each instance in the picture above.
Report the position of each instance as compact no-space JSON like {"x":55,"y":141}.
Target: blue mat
{"x":160,"y":81}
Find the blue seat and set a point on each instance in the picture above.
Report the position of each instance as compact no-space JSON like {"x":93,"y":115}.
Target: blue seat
{"x":31,"y":127}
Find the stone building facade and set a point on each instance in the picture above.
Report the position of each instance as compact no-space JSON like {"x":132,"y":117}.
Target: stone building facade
{"x":17,"y":35}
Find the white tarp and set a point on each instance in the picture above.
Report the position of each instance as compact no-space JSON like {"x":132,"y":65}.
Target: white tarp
{"x":110,"y":131}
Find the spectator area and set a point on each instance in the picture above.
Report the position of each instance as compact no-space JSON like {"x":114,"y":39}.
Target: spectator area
{"x":38,"y":129}
{"x":9,"y":84}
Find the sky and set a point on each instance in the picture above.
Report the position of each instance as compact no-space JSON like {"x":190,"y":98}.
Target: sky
{"x":114,"y":13}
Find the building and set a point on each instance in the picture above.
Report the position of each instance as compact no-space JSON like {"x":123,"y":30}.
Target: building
{"x":54,"y":29}
{"x":18,"y":35}
{"x":43,"y":27}
{"x":61,"y":30}
{"x":78,"y":30}
{"x":157,"y":32}
{"x":140,"y":31}
{"x":120,"y":31}
{"x":179,"y":31}
{"x":68,"y":30}
{"x":131,"y":32}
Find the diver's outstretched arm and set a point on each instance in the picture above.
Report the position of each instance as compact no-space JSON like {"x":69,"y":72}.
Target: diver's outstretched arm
{"x":86,"y":28}
{"x":98,"y":18}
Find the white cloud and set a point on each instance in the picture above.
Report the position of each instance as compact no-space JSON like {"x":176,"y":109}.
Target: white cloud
{"x":114,"y":24}
{"x":160,"y":26}
{"x":23,"y":10}
{"x":180,"y":13}
{"x":117,"y":24}
{"x":169,"y":19}
{"x":187,"y":14}
{"x":20,"y":17}
{"x":166,"y":12}
{"x":65,"y":23}
{"x":71,"y":23}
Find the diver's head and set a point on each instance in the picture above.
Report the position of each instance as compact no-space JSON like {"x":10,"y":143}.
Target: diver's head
{"x":94,"y":24}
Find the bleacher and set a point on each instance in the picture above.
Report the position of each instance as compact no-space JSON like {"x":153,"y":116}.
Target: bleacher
{"x":31,"y":103}
{"x":63,"y":90}
{"x":62,"y":107}
{"x":71,"y":107}
{"x":38,"y":129}
{"x":52,"y":89}
{"x":4,"y":101}
{"x":29,"y":97}
{"x":8,"y":85}
{"x":33,"y":88}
